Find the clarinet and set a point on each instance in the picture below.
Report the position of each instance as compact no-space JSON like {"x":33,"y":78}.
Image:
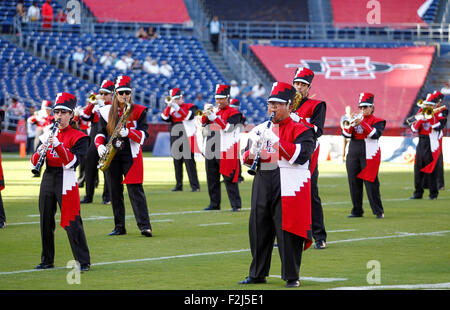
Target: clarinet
{"x":252,"y":170}
{"x":37,"y":169}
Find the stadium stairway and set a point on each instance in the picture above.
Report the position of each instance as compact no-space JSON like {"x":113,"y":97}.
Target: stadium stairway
{"x":219,"y":62}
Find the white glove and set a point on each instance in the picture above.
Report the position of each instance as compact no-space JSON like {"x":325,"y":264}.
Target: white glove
{"x":55,"y":142}
{"x":40,"y":149}
{"x":271,"y":137}
{"x":419,"y":117}
{"x":124,"y":132}
{"x":175,"y":107}
{"x":212,"y":117}
{"x":295,"y":117}
{"x":101,"y":150}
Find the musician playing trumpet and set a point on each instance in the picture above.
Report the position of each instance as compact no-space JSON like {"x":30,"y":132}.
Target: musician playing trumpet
{"x":182,"y":129}
{"x":429,"y":126}
{"x":364,"y":156}
{"x":281,"y":191}
{"x":67,"y":148}
{"x":126,"y":166}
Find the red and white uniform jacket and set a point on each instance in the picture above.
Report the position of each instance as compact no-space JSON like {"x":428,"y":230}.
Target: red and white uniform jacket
{"x":91,"y":114}
{"x":137,"y":125}
{"x":41,"y":119}
{"x":185,"y":115}
{"x":369,"y":130}
{"x":67,"y":155}
{"x":292,"y":155}
{"x":431,"y":129}
{"x":312,"y":112}
{"x":227,"y":126}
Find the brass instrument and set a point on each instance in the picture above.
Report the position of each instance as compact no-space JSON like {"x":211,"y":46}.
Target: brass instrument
{"x":114,"y":143}
{"x":351,"y":121}
{"x":37,"y":169}
{"x":427,"y":112}
{"x":297,"y":99}
{"x":93,"y":98}
{"x":168,"y":100}
{"x":208,"y":108}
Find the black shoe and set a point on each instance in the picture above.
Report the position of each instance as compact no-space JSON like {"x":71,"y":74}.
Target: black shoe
{"x":293,"y":283}
{"x":195,"y":190}
{"x":106,"y":202}
{"x":209,"y":208}
{"x":380,"y":216}
{"x":44,"y":266}
{"x":354,"y":215}
{"x":85,"y":200}
{"x":85,"y":267}
{"x":250,"y":280}
{"x":320,"y":244}
{"x":433,"y":197}
{"x":117,"y":232}
{"x":177,"y":189}
{"x":235,"y":209}
{"x":146,"y":232}
{"x":2,"y":225}
{"x":415,"y":197}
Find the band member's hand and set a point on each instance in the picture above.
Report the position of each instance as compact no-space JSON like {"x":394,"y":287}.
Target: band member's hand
{"x":54,"y":141}
{"x":101,"y":150}
{"x":419,"y":117}
{"x":295,"y":117}
{"x":175,"y":107}
{"x":124,"y":132}
{"x":212,"y":116}
{"x":41,"y":149}
{"x":271,"y":137}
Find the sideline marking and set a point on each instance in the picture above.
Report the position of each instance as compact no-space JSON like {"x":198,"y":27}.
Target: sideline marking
{"x":433,"y":233}
{"x":400,"y":286}
{"x":213,"y":224}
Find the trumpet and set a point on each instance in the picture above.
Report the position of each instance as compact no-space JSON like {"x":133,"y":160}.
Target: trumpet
{"x":427,"y":113}
{"x":208,"y":108}
{"x":93,"y":98}
{"x":351,"y":121}
{"x":168,"y":100}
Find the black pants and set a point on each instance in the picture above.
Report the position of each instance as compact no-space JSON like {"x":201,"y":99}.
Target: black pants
{"x":424,"y":157}
{"x":318,"y":225}
{"x":356,"y":161}
{"x":114,"y":174}
{"x":91,"y":175}
{"x":2,"y":210}
{"x":49,"y":196}
{"x":191,"y":168}
{"x":213,"y":179}
{"x":265,"y":224}
{"x":214,"y":38}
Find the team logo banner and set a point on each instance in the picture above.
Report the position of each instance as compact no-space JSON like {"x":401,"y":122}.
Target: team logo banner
{"x":393,"y":75}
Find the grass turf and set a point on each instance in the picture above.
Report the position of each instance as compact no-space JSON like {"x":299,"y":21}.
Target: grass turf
{"x":194,"y":249}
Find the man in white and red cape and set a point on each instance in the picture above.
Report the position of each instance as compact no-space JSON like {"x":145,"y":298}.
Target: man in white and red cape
{"x":281,"y":193}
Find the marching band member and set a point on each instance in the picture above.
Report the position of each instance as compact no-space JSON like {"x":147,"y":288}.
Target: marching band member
{"x":428,"y":149}
{"x":235,"y":103}
{"x":59,"y":184}
{"x":91,"y":114}
{"x":181,"y":115}
{"x":313,"y":112}
{"x":43,"y":119}
{"x":221,"y":149}
{"x":128,"y":160}
{"x":281,"y":191}
{"x":2,"y":181}
{"x":364,"y":157}
{"x":443,"y":114}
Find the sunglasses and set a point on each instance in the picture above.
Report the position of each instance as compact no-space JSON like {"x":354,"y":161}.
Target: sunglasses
{"x":104,"y":94}
{"x":122,"y":92}
{"x":60,"y":111}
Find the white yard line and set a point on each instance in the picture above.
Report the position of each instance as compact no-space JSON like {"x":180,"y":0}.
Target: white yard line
{"x":214,"y":224}
{"x":399,"y":286}
{"x":401,"y":235}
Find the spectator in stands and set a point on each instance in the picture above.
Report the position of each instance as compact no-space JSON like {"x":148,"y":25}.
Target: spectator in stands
{"x":446,"y":89}
{"x":47,"y":14}
{"x":16,"y":108}
{"x":78,"y":55}
{"x":141,"y":33}
{"x":106,"y":60}
{"x":245,"y":90}
{"x":20,"y":11}
{"x":214,"y":32}
{"x":129,"y":59}
{"x":121,"y":64}
{"x":151,"y":66}
{"x":61,"y":17}
{"x":166,"y":69}
{"x":89,"y":57}
{"x":234,"y":89}
{"x":33,"y":13}
{"x":199,"y":102}
{"x":258,"y":91}
{"x":114,"y":58}
{"x":152,"y":34}
{"x":136,"y":65}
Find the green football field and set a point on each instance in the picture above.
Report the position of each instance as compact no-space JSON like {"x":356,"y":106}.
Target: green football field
{"x":194,"y":249}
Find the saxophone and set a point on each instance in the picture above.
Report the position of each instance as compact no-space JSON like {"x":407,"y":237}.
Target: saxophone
{"x":297,"y":99}
{"x":114,"y":143}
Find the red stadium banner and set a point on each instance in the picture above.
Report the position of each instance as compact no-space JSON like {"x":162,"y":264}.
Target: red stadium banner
{"x":377,"y":13}
{"x":393,"y":75}
{"x":143,"y":11}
